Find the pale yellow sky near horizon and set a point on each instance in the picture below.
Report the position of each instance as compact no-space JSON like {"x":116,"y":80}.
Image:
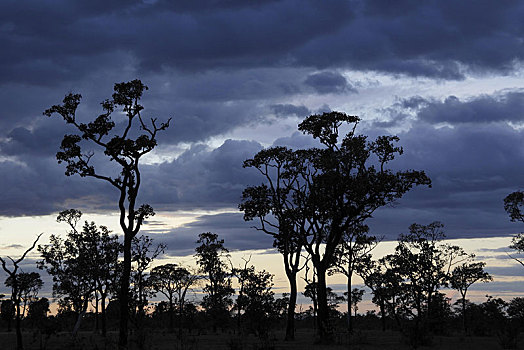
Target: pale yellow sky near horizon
{"x":16,"y":234}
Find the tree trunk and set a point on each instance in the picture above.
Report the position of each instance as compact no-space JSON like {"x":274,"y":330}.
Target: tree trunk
{"x":325,"y":331}
{"x":104,"y":321}
{"x":180,"y":314}
{"x":171,"y":314}
{"x":290,"y":324}
{"x":124,"y":293}
{"x":350,"y":325}
{"x":19,"y":345}
{"x":383,"y":314}
{"x":80,"y":316}
{"x":464,"y":313}
{"x":97,"y":325}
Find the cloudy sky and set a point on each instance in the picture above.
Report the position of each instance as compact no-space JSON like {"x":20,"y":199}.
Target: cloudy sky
{"x":237,"y":76}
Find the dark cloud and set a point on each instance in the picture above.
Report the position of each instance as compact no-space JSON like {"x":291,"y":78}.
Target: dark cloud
{"x":202,"y":177}
{"x":329,"y":83}
{"x":220,"y":65}
{"x":502,"y":107}
{"x":237,"y":234}
{"x":472,"y":167}
{"x":199,"y":178}
{"x":39,"y":187}
{"x":513,"y":271}
{"x":289,"y":109}
{"x":66,"y":42}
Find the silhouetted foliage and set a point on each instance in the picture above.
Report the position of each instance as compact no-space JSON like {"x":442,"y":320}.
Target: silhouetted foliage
{"x":463,"y":277}
{"x":38,"y":309}
{"x":346,"y":181}
{"x":143,"y":255}
{"x":351,"y":256}
{"x":173,"y":282}
{"x":318,"y":195}
{"x":81,"y":264}
{"x":422,"y":265}
{"x":8,"y":311}
{"x":278,"y":213}
{"x":29,"y":283}
{"x":258,"y":300}
{"x":121,"y":149}
{"x":355,"y":297}
{"x":209,"y":255}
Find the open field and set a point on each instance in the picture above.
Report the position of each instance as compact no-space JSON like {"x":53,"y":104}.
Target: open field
{"x":152,"y":340}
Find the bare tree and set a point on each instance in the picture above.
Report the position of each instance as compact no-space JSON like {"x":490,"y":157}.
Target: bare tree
{"x":15,"y":288}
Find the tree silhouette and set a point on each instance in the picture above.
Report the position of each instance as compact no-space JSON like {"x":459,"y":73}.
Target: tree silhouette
{"x":123,"y":150}
{"x":463,"y":277}
{"x":38,"y":309}
{"x":277,"y":212}
{"x":258,"y":300}
{"x":218,"y":290}
{"x":16,"y":288}
{"x":345,"y":182}
{"x":352,"y":254}
{"x":241,"y":274}
{"x":82,"y":264}
{"x":8,"y":312}
{"x":143,"y":255}
{"x":105,"y":250}
{"x":173,"y":282}
{"x":423,"y":265}
{"x":356,"y":298}
{"x":29,"y":283}
{"x":69,"y":261}
{"x":385,"y":285}
{"x":513,"y":204}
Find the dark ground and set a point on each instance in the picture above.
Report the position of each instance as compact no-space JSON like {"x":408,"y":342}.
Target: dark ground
{"x":152,"y":340}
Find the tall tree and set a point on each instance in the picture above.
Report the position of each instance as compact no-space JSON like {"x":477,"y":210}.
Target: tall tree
{"x":278,"y":214}
{"x":125,"y":149}
{"x":344,"y":183}
{"x":463,"y":277}
{"x":210,"y":254}
{"x":15,"y":288}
